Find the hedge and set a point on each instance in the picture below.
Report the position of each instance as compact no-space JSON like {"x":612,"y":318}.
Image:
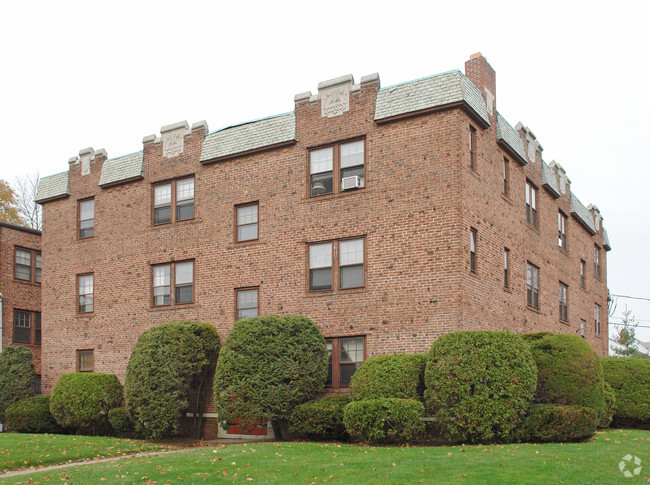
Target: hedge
{"x":385,"y":420}
{"x":167,"y":374}
{"x":321,"y":419}
{"x":479,"y":385}
{"x":395,"y":376}
{"x":268,"y":366}
{"x":16,"y":376}
{"x":122,"y":422}
{"x":630,"y":379}
{"x":607,"y":414}
{"x":556,"y":423}
{"x":31,"y":415}
{"x":81,"y":401}
{"x":569,"y":371}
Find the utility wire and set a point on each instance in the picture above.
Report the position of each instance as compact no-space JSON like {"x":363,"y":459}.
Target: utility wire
{"x":630,"y":297}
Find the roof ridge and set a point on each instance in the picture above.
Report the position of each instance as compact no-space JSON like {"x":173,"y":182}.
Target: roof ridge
{"x":422,"y":79}
{"x":251,"y":121}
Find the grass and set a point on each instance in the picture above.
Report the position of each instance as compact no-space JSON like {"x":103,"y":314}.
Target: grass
{"x":595,"y":461}
{"x":20,"y":451}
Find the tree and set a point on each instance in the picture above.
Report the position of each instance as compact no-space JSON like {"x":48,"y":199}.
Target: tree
{"x":626,"y":336}
{"x":9,"y":211}
{"x":28,"y":210}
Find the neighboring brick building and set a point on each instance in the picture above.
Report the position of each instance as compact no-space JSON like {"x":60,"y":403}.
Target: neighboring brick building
{"x":20,"y":289}
{"x":389,"y":216}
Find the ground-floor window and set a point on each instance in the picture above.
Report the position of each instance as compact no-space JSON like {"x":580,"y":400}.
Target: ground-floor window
{"x":346,"y":354}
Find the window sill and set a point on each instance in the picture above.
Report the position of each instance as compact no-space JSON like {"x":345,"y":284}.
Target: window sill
{"x":25,"y":344}
{"x":176,"y":223}
{"x":564,"y":322}
{"x":506,"y":198}
{"x":531,"y":227}
{"x":563,"y":251}
{"x":178,"y":306}
{"x":533,"y":309}
{"x":32,"y":283}
{"x":507,"y":289}
{"x":85,"y":315}
{"x":336,"y":195}
{"x":89,"y":238}
{"x":245,"y":244}
{"x":317,"y":293}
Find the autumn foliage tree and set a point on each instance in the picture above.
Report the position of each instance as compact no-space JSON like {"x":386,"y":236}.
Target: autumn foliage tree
{"x":9,"y":211}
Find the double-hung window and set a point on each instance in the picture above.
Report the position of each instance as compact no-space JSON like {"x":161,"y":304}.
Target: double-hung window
{"x":506,"y":177}
{"x":27,"y":265}
{"x":472,"y":250}
{"x":85,"y":360}
{"x":597,"y":261}
{"x":86,"y":293}
{"x":532,"y":286}
{"x":247,"y":222}
{"x":345,"y":356}
{"x":337,"y":264}
{"x":564,"y":308}
{"x":597,"y":318}
{"x":182,"y":274}
{"x":337,"y":168}
{"x":27,"y":327}
{"x":506,"y":267}
{"x":561,"y":230}
{"x":173,"y":201}
{"x":86,"y":218}
{"x":472,"y":147}
{"x":247,"y":302}
{"x":583,"y":265}
{"x":531,"y":204}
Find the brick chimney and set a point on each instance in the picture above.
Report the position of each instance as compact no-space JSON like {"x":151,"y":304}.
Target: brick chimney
{"x":479,"y":71}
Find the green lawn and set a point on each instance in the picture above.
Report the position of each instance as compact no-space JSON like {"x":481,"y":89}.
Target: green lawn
{"x":591,"y":462}
{"x":19,"y":451}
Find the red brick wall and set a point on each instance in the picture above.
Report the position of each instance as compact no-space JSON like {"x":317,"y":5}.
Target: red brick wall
{"x":17,"y":294}
{"x":415,"y":213}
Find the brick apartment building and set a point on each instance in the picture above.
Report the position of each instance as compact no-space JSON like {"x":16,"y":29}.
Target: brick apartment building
{"x":20,"y":290}
{"x":389,"y":216}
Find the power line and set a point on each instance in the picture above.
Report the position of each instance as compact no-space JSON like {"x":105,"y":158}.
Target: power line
{"x":630,"y":297}
{"x":635,"y":326}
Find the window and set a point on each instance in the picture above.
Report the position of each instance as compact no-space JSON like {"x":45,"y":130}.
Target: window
{"x":506,"y":263}
{"x":85,"y":293}
{"x":247,"y":217}
{"x":86,"y":218}
{"x":583,"y":324}
{"x":532,"y":286}
{"x":345,"y":356}
{"x":350,"y":267}
{"x":85,"y":360}
{"x":178,"y":194}
{"x":343,"y":162}
{"x":472,"y":250}
{"x":561,"y":230}
{"x":27,"y":265}
{"x":531,"y":204}
{"x":37,"y":385}
{"x":506,"y":177}
{"x":25,"y":327}
{"x":182,"y":274}
{"x":564,"y":309}
{"x":247,"y":305}
{"x":597,"y":319}
{"x":597,"y":261}
{"x":472,"y":147}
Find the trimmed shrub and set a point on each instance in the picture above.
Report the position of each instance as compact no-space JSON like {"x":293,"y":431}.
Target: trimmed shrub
{"x":555,"y":423}
{"x":268,"y":366}
{"x":167,"y":374}
{"x":569,"y":371}
{"x":397,"y":376}
{"x":479,"y":385}
{"x":31,"y":415}
{"x":321,"y":419}
{"x":16,"y":376}
{"x":121,"y":421}
{"x":384,"y":420}
{"x":610,"y":405}
{"x":81,"y":401}
{"x":630,"y":379}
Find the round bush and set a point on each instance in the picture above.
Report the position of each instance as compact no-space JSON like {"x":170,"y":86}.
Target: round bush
{"x":31,"y":415}
{"x":81,"y":401}
{"x":569,"y":371}
{"x":321,"y":419}
{"x":121,"y":421}
{"x":397,"y":376}
{"x":555,"y":423}
{"x":630,"y":379}
{"x":16,"y":376}
{"x":268,"y":366}
{"x":479,"y":384}
{"x":384,"y":420}
{"x":608,"y":410}
{"x":167,"y":374}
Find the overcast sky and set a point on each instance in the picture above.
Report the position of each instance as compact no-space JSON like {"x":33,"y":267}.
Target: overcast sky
{"x":79,"y":74}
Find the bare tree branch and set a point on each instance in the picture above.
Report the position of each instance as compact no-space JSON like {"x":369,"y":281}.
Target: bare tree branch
{"x":28,"y":209}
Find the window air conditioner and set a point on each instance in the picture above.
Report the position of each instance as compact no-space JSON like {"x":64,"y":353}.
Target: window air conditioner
{"x":348,"y":183}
